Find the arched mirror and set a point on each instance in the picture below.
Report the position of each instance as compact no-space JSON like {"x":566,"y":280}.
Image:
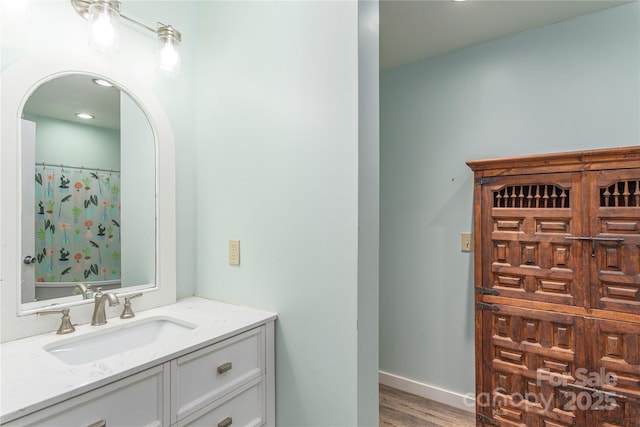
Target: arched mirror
{"x":88,"y":191}
{"x":84,"y":201}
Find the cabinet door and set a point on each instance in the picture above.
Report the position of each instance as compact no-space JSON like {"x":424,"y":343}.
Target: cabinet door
{"x":615,"y":251}
{"x":615,"y":373}
{"x":528,"y":222}
{"x":138,"y":400}
{"x":528,"y":359}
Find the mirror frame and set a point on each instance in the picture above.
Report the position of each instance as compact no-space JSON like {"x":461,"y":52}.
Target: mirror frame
{"x":18,"y":81}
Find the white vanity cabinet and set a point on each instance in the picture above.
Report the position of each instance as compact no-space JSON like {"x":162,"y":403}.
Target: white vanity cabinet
{"x":229,"y":383}
{"x":138,"y":400}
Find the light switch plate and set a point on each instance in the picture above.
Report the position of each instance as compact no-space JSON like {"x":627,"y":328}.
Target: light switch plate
{"x":466,"y":242}
{"x":234,"y":252}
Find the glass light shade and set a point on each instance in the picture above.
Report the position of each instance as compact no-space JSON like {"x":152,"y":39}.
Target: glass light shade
{"x":169,"y":39}
{"x":103,"y":20}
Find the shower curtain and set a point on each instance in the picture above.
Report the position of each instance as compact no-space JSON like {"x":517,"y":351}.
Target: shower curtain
{"x":77,"y":224}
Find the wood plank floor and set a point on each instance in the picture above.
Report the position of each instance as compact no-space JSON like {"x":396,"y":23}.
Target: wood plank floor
{"x":400,"y":409}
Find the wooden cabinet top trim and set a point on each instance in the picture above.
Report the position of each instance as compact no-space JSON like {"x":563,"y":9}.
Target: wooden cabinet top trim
{"x":622,"y":157}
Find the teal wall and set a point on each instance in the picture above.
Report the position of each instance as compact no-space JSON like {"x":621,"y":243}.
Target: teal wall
{"x":278,"y":168}
{"x":569,"y":86}
{"x":368,"y":210}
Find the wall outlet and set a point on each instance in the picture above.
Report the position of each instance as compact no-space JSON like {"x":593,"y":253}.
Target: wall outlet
{"x":466,"y":242}
{"x":234,"y":252}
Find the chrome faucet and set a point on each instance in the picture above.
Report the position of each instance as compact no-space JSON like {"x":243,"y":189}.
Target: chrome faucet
{"x":99,"y":316}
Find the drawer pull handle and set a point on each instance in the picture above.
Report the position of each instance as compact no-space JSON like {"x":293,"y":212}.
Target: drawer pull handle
{"x":225,"y":367}
{"x":101,"y":423}
{"x":226,"y":422}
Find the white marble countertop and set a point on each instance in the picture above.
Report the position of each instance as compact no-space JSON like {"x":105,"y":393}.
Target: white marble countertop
{"x":32,"y":378}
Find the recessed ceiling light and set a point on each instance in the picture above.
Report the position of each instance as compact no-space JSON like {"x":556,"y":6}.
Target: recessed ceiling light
{"x":86,"y":116}
{"x":101,"y":82}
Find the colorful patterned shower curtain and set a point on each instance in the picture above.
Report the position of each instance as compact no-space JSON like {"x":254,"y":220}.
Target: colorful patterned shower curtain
{"x":77,"y":224}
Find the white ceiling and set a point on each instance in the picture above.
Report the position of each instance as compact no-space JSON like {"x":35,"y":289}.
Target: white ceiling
{"x":63,"y":97}
{"x":411,"y":31}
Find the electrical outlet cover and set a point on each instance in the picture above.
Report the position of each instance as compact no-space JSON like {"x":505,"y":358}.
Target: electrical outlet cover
{"x":234,"y":252}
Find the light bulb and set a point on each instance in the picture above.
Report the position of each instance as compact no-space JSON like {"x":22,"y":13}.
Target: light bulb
{"x":169,"y":39}
{"x":169,"y":58}
{"x":103,"y":27}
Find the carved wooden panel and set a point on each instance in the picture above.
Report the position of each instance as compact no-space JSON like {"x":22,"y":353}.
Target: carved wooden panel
{"x":527,"y":241}
{"x":545,"y":370}
{"x":533,"y":196}
{"x":625,"y":192}
{"x":530,"y":353}
{"x":615,"y":227}
{"x":616,"y":363}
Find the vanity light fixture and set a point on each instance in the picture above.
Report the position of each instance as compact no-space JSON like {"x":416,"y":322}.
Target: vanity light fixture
{"x":86,"y":116}
{"x":103,"y":17}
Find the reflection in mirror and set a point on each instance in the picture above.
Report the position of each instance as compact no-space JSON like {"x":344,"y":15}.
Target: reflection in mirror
{"x":88,"y":191}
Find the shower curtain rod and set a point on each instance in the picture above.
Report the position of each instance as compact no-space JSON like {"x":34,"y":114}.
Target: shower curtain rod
{"x":76,"y":167}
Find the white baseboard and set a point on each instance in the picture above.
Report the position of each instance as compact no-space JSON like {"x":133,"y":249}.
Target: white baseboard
{"x":447,"y":397}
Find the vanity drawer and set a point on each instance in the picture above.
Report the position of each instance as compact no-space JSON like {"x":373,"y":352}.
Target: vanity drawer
{"x":244,"y":407}
{"x":206,"y":375}
{"x":138,"y":400}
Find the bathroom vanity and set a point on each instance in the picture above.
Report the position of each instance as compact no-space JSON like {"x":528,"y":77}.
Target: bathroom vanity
{"x":196,"y":362}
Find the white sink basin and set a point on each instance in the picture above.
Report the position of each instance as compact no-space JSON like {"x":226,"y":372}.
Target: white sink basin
{"x":113,"y":340}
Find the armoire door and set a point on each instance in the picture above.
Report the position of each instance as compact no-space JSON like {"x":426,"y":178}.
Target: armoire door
{"x":615,"y":249}
{"x":529,"y":222}
{"x":529,"y":362}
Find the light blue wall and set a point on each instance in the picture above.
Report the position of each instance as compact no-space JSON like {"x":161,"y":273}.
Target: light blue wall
{"x":368,"y":210}
{"x":278,"y":169}
{"x":76,"y":144}
{"x":569,"y":86}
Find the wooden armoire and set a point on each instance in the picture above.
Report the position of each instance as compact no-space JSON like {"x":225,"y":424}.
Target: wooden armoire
{"x":557,"y":282}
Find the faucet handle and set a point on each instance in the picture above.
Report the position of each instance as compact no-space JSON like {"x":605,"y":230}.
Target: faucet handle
{"x":127,"y":312}
{"x":65,"y":325}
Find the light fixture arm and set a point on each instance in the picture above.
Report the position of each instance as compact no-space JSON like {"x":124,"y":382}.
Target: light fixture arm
{"x":140,"y":24}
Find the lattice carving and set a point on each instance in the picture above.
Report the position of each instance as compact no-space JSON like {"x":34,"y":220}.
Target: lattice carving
{"x":536,"y":196}
{"x":621,"y":194}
